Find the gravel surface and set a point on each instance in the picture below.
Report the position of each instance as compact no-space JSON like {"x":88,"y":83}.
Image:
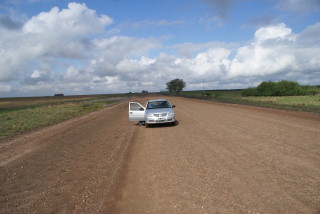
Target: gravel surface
{"x":219,"y":158}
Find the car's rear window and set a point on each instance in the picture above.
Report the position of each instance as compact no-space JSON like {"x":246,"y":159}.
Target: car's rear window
{"x":158,"y":104}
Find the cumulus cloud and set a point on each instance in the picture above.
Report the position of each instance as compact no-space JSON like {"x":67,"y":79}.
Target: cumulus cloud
{"x":58,"y":52}
{"x":57,"y":33}
{"x":76,"y":20}
{"x":189,"y":49}
{"x":111,"y":51}
{"x":75,"y":75}
{"x":272,"y":32}
{"x":268,"y":53}
{"x":275,"y":50}
{"x":38,"y":76}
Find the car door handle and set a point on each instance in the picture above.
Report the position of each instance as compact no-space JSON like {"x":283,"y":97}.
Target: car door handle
{"x":130,"y":112}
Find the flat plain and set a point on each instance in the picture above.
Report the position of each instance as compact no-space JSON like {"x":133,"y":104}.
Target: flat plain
{"x":305,"y":103}
{"x":219,"y":158}
{"x":19,"y":115}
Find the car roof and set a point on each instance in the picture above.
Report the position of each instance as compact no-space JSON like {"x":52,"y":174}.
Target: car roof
{"x":157,"y":100}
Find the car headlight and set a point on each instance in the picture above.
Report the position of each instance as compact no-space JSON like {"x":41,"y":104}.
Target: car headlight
{"x":171,"y":114}
{"x":149,"y":115}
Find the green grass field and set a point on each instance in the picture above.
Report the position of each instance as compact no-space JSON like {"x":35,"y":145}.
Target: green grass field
{"x":18,"y":102}
{"x":295,"y":103}
{"x":288,"y":100}
{"x":18,"y":115}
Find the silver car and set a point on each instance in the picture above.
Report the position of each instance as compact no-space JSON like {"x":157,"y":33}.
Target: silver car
{"x":156,"y":111}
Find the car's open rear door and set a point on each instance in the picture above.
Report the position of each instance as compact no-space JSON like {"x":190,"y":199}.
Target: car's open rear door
{"x":136,"y":112}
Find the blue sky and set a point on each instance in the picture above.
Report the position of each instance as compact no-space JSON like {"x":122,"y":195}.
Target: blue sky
{"x":116,"y":46}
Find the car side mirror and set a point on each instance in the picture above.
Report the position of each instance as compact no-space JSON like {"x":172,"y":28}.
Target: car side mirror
{"x":141,"y":109}
{"x":173,"y":106}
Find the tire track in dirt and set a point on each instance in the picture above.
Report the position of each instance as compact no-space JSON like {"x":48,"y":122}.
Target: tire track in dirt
{"x":225,"y":159}
{"x":220,"y":158}
{"x":73,"y":169}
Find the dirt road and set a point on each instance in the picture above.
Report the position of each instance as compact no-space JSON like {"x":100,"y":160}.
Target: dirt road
{"x":220,"y":158}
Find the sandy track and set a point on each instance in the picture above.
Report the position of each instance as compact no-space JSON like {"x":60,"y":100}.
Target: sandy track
{"x":219,"y":159}
{"x":67,"y":168}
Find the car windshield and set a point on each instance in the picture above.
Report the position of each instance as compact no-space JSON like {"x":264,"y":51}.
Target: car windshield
{"x":158,"y":104}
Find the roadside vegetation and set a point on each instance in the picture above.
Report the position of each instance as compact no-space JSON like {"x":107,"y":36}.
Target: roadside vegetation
{"x":18,"y":115}
{"x":281,"y":88}
{"x":281,"y":95}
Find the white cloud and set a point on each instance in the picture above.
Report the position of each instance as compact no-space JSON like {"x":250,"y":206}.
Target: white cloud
{"x":189,"y":49}
{"x":276,"y":51}
{"x":134,"y":66}
{"x":59,"y":52}
{"x":76,"y":75}
{"x":76,"y":20}
{"x":57,"y":33}
{"x":272,"y":32}
{"x":38,"y":76}
{"x":111,"y":51}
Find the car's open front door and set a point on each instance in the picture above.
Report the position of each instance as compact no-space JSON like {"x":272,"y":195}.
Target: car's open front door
{"x":136,"y":112}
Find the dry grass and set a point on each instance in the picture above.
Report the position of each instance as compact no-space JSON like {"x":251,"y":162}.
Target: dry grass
{"x":295,"y":103}
{"x":18,"y":115}
{"x":309,"y":101}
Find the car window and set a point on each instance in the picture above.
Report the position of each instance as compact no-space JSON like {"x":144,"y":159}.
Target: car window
{"x":158,"y":104}
{"x":135,"y":107}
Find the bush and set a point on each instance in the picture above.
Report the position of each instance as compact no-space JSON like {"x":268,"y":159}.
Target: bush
{"x":267,"y":89}
{"x":282,"y":88}
{"x":288,"y":88}
{"x":250,"y":92}
{"x":208,"y":93}
{"x":311,"y":90}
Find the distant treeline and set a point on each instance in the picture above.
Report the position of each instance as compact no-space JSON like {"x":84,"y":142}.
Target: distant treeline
{"x":281,"y":88}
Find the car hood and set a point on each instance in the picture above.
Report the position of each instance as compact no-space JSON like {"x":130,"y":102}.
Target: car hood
{"x":159,"y":110}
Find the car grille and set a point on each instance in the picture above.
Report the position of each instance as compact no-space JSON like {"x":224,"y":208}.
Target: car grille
{"x":160,"y":115}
